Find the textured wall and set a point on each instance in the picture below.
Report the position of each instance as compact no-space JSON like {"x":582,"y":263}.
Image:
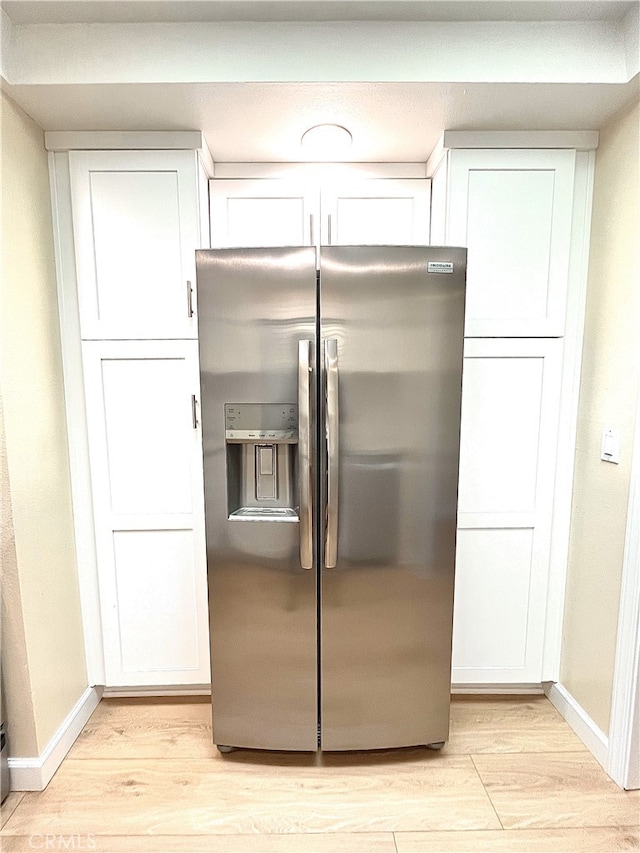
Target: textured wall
{"x":46,"y":589}
{"x":16,"y":704}
{"x":608,"y":390}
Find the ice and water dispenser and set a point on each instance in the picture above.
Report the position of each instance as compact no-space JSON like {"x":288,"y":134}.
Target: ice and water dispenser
{"x":261,"y":442}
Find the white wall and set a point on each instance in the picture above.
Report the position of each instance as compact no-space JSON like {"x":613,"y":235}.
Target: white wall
{"x":45,"y":674}
{"x":609,"y":385}
{"x":334,"y":50}
{"x":17,"y":703}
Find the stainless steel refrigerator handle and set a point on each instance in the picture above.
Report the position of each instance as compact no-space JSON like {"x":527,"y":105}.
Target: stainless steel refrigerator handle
{"x":304,"y":453}
{"x":332,"y":425}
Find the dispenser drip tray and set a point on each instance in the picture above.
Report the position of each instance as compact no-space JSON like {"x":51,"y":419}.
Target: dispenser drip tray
{"x":259,"y":513}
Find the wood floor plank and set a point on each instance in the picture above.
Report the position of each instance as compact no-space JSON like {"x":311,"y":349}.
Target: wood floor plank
{"x":174,"y":728}
{"x":144,"y":776}
{"x":579,"y":840}
{"x":350,"y":842}
{"x":415,"y":791}
{"x":508,"y":724}
{"x":551,"y":790}
{"x":8,"y":807}
{"x":147,"y":728}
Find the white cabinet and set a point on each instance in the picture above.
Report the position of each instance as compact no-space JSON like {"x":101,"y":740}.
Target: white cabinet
{"x":376,"y":211}
{"x":146,"y":470}
{"x":520,"y":213}
{"x":262,"y":212}
{"x":513,"y":210}
{"x":276,"y":212}
{"x":128,"y":223}
{"x":138,"y":217}
{"x":510,"y":406}
{"x":130,"y":211}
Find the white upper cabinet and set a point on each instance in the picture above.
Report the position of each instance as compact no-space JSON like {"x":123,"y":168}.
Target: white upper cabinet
{"x":376,"y":211}
{"x":512,"y":209}
{"x":137,"y":222}
{"x":262,"y":212}
{"x":276,"y":212}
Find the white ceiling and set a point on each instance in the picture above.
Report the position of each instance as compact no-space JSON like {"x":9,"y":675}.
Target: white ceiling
{"x":263,"y":121}
{"x":393,"y":122}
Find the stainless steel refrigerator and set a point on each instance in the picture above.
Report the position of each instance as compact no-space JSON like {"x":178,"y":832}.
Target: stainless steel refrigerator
{"x":330,"y":406}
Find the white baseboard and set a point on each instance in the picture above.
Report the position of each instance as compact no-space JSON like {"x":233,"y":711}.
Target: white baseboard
{"x":34,"y":774}
{"x":461,"y":689}
{"x":141,"y":692}
{"x":589,"y":733}
{"x":205,"y":690}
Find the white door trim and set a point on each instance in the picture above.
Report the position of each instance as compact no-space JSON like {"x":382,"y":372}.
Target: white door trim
{"x":624,"y":757}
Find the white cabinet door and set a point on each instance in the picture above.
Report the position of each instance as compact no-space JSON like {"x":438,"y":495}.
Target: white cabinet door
{"x":510,"y":404}
{"x":146,"y":468}
{"x":376,"y":211}
{"x":276,"y":212}
{"x":263,"y":212}
{"x":137,"y":222}
{"x":513,"y":211}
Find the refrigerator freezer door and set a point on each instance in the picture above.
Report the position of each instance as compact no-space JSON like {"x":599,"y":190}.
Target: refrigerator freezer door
{"x":387,"y":604}
{"x":255,"y":307}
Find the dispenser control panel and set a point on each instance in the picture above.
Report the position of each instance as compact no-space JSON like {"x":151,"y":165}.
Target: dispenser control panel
{"x":261,"y":422}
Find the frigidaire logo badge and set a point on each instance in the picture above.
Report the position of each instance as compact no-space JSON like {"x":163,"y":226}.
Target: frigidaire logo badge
{"x":440,"y":266}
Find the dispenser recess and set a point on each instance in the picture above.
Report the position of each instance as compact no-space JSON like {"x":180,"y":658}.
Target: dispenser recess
{"x":261,"y":456}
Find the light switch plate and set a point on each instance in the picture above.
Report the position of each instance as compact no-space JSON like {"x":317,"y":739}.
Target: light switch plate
{"x":610,"y":449}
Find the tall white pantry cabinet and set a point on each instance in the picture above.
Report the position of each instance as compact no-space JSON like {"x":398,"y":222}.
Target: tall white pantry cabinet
{"x":128,"y":223}
{"x":128,"y":218}
{"x":520,"y":203}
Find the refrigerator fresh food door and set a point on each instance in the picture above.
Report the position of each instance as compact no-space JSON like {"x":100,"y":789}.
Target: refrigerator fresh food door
{"x":257,"y":329}
{"x":392,"y":338}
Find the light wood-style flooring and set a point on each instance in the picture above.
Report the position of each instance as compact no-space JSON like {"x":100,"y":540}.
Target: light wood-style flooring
{"x":144,"y":776}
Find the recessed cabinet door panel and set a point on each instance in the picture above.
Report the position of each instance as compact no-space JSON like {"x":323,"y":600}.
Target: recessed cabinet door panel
{"x":510,"y":405}
{"x":263,"y":212}
{"x":492,"y":600}
{"x":149,"y":461}
{"x":146,"y":467}
{"x":513,"y":211}
{"x":136,"y":229}
{"x":149,"y":589}
{"x":386,"y":212}
{"x":499,"y":453}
